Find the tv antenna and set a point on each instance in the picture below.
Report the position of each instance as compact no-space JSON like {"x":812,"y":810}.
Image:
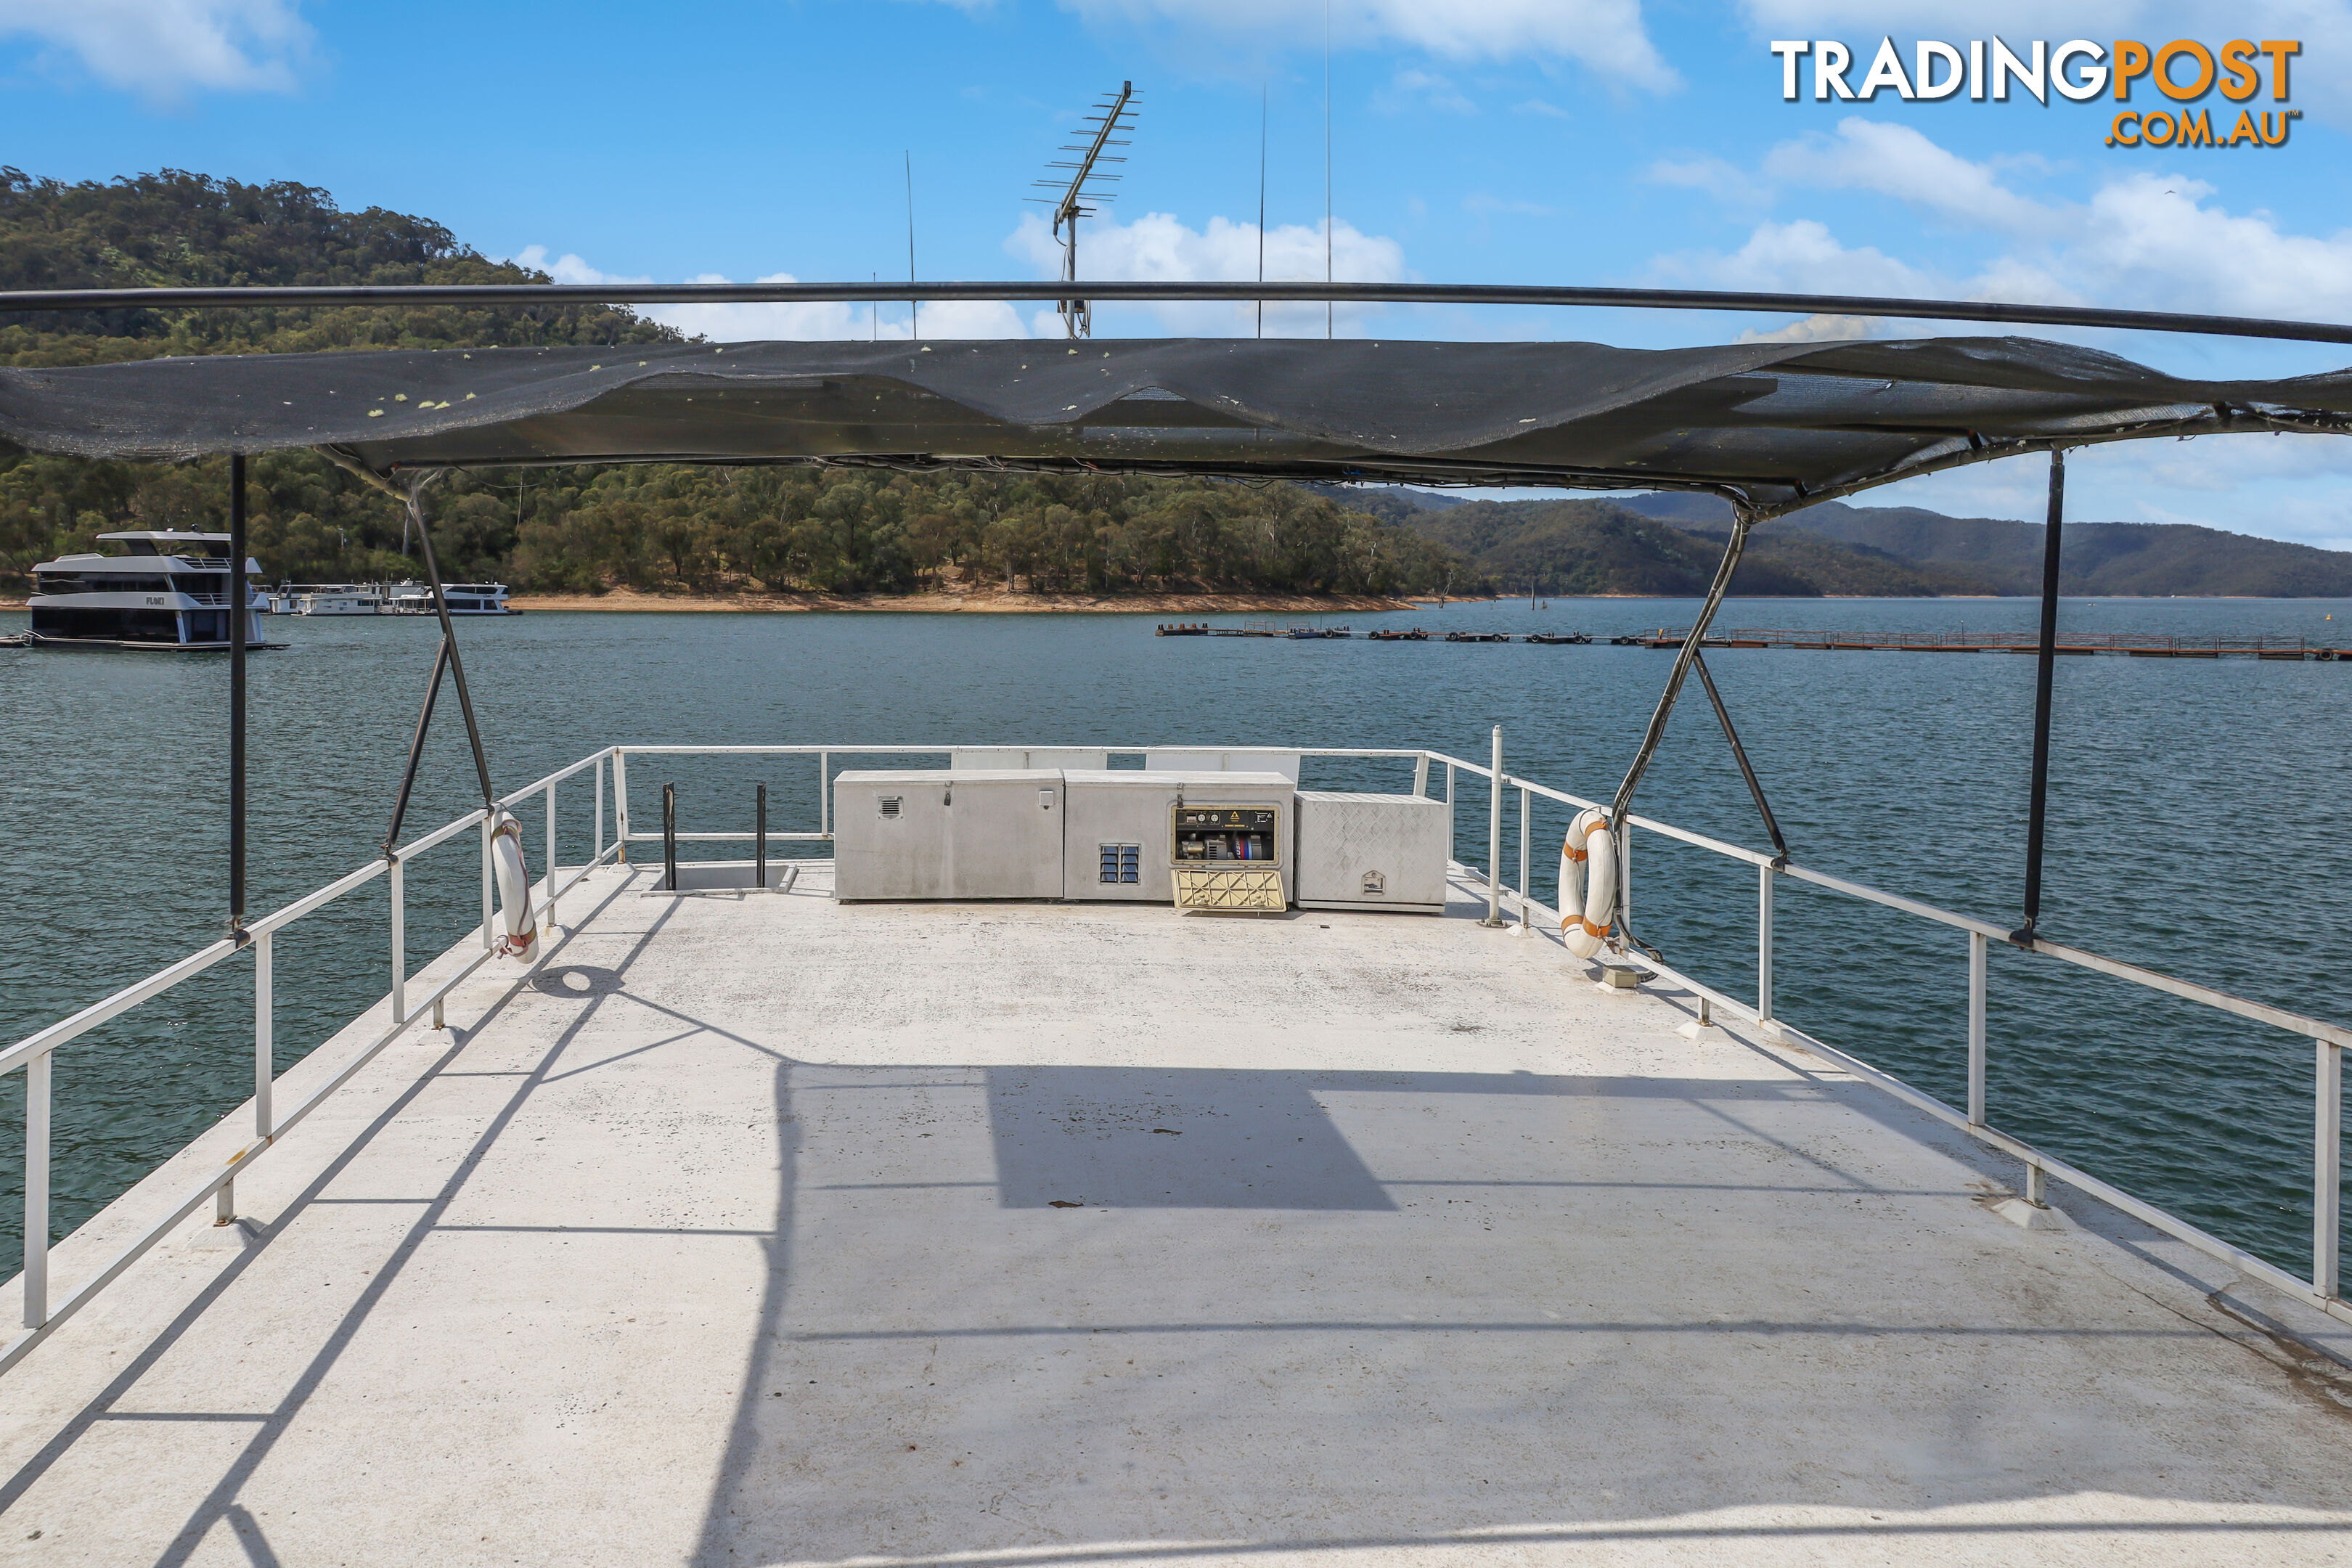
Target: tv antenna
{"x":1112,"y":114}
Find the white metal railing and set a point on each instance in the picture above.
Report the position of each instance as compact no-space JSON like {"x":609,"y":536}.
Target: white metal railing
{"x":2323,"y":1289}
{"x":35,"y":1053}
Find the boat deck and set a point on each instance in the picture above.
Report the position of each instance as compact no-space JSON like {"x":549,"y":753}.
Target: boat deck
{"x":755,"y":1228}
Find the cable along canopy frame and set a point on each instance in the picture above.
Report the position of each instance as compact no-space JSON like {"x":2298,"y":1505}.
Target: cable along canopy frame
{"x":1770,"y":427}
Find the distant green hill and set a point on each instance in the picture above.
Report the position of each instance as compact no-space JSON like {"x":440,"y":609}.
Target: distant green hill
{"x":2098,"y":558}
{"x":1574,"y":547}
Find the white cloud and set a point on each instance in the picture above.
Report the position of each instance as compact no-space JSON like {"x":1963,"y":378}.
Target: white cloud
{"x":1718,"y":177}
{"x":1607,"y":36}
{"x":1815,"y":329}
{"x":162,"y":50}
{"x":1409,"y":87}
{"x":1159,"y":248}
{"x":1893,"y":160}
{"x":2147,"y":240}
{"x":821,"y":321}
{"x":1801,"y":257}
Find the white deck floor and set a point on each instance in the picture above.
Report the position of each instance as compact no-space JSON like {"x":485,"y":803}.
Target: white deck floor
{"x":760,"y":1229}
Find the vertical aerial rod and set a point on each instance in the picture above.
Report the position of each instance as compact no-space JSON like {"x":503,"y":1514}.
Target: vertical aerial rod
{"x":1262,"y":96}
{"x":236,"y":614}
{"x":2043,"y":676}
{"x":914,"y":307}
{"x":449,"y":644}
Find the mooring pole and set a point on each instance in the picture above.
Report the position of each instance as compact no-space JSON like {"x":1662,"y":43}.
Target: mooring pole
{"x":2044,"y":674}
{"x":236,"y":613}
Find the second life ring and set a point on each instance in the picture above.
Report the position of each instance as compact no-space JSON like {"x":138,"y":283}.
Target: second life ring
{"x":1588,"y":883}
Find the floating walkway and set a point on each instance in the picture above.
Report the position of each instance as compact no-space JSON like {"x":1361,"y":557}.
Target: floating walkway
{"x":2133,"y":645}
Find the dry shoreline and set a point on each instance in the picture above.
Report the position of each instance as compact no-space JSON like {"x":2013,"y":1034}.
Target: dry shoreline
{"x":621,"y":599}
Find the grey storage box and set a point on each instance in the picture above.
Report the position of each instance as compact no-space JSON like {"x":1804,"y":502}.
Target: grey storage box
{"x":1118,"y":839}
{"x":1372,"y":852}
{"x":932,"y":834}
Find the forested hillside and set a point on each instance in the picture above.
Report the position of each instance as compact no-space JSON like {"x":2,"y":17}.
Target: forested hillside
{"x":2005,"y":555}
{"x":1594,"y":547}
{"x":579,"y":530}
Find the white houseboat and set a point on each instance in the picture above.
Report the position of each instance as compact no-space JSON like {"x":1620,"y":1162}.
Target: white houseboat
{"x":170,"y":591}
{"x":465,"y":598}
{"x":340,"y":599}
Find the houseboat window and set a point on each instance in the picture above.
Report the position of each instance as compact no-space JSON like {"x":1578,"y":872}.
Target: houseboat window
{"x":108,"y":625}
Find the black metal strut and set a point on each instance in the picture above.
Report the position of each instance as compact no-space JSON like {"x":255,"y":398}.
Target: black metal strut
{"x":1740,"y":755}
{"x":2045,"y":676}
{"x":236,"y":614}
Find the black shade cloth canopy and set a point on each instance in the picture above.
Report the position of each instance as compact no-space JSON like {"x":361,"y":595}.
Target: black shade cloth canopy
{"x":1770,"y":425}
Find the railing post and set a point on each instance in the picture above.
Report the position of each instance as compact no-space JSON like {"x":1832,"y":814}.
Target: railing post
{"x":621,"y":801}
{"x":550,"y":859}
{"x":597,"y":843}
{"x":399,"y":944}
{"x":823,"y":794}
{"x":488,"y":823}
{"x":1625,"y":876}
{"x":265,"y":1031}
{"x":1449,"y":811}
{"x":669,"y":837}
{"x":1420,"y":776}
{"x":2327,"y":1177}
{"x":37,"y":1190}
{"x":1524,"y":895}
{"x":759,"y":810}
{"x":1763,"y":941}
{"x":1977,"y":961}
{"x":1494,"y":837}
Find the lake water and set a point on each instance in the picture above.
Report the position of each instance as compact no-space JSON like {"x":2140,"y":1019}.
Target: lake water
{"x":2197,"y":826}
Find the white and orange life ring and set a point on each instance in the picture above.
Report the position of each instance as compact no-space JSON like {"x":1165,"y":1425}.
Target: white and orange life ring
{"x":1588,"y":883}
{"x":517,"y":928}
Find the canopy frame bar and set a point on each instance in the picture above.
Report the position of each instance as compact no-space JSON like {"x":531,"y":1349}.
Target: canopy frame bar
{"x":1242,"y":293}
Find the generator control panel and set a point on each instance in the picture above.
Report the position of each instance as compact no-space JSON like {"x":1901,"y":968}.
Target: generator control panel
{"x":1225,"y":834}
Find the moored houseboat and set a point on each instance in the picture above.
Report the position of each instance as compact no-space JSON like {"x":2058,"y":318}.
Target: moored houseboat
{"x":465,"y":598}
{"x":169,"y":590}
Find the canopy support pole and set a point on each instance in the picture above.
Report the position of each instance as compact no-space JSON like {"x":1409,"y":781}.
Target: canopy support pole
{"x":415,"y":750}
{"x":1740,"y":755}
{"x":2045,"y":676}
{"x":236,"y":614}
{"x":414,"y":497}
{"x":1743,"y":518}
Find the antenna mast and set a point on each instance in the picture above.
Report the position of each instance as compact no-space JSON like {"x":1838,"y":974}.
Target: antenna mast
{"x":1112,"y":114}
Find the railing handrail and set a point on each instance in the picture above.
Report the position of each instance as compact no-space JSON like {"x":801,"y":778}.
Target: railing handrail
{"x":32,"y":1052}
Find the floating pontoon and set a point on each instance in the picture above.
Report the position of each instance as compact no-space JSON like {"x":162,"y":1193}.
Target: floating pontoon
{"x":1009,"y":1214}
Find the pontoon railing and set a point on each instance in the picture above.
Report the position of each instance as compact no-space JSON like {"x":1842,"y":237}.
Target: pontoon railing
{"x":35,"y":1054}
{"x":2322,"y":1289}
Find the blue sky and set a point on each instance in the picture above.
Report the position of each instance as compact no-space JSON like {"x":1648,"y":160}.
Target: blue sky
{"x":1483,"y":141}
